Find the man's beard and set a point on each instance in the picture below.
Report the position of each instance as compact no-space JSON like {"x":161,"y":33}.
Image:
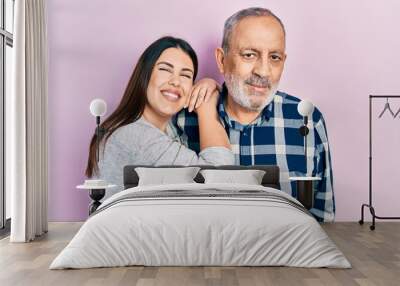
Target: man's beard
{"x":237,"y":89}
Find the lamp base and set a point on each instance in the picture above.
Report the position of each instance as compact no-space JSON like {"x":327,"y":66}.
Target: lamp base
{"x":96,"y":195}
{"x":305,"y":193}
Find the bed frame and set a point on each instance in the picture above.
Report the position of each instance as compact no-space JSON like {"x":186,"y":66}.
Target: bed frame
{"x":270,"y":179}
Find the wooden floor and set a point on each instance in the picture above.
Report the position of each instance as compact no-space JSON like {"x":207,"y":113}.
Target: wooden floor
{"x":374,"y":255}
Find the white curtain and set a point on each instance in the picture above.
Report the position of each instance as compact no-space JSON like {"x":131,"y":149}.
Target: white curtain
{"x":26,"y":123}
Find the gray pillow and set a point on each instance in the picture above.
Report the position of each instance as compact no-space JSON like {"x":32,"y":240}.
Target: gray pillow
{"x":163,"y":176}
{"x":249,"y":177}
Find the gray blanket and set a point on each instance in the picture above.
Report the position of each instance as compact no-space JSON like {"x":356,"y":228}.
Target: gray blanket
{"x":205,"y":193}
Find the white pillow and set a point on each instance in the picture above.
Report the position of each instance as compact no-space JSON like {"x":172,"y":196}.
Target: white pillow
{"x":249,"y":177}
{"x":164,"y":176}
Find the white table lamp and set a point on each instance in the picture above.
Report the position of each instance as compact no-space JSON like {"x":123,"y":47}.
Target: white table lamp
{"x":98,"y":108}
{"x":305,"y":109}
{"x":304,"y":185}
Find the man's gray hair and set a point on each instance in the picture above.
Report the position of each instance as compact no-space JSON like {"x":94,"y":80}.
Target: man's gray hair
{"x":235,"y":18}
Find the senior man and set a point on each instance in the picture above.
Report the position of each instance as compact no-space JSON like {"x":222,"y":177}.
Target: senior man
{"x":262,"y":122}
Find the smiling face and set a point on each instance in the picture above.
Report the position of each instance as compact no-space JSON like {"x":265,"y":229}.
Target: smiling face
{"x":170,"y":82}
{"x":254,"y":63}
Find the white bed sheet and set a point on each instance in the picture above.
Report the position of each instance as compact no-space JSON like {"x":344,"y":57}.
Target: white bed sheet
{"x":200,"y":231}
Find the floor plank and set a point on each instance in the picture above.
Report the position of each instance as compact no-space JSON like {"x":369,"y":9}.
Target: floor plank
{"x":375,"y":257}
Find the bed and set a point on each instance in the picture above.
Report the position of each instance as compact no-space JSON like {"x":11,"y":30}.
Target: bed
{"x":199,"y":224}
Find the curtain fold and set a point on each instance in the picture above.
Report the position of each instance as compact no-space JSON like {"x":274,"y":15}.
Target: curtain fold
{"x":28,"y":123}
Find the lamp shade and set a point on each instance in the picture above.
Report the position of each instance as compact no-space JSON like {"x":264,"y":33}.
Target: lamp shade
{"x":305,"y":108}
{"x":98,"y":107}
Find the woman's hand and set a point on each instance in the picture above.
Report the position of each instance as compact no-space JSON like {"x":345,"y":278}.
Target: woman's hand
{"x":201,"y":92}
{"x":209,"y":108}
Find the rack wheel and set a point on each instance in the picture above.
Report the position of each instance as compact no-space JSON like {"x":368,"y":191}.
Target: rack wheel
{"x":361,"y":222}
{"x":372,"y":227}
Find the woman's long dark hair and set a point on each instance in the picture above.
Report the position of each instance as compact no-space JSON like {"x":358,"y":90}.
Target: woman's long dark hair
{"x":134,"y":100}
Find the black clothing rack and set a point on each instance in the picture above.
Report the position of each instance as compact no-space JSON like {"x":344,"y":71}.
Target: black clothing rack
{"x":369,"y":205}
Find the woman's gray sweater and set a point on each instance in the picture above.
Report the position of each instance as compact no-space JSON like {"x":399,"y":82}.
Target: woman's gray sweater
{"x":141,"y":143}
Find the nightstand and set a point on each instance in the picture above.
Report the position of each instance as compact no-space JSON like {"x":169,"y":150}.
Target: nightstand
{"x":96,"y":193}
{"x":305,"y":191}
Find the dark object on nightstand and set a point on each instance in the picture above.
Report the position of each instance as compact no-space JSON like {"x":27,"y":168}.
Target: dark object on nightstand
{"x":305,"y":193}
{"x":305,"y":190}
{"x":96,"y":195}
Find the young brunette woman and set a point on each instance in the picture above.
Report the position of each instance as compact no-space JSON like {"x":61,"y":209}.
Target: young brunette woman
{"x":138,"y":133}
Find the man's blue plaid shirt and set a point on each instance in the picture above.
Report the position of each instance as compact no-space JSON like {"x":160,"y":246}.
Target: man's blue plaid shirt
{"x":274,"y":139}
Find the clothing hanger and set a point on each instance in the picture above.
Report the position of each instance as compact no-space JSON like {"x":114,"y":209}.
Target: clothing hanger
{"x":397,"y":113}
{"x":387,"y":107}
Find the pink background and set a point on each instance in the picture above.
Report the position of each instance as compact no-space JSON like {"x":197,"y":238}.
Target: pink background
{"x":339,"y":52}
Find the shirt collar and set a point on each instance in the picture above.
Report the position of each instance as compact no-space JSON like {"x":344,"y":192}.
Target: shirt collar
{"x":265,"y":114}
